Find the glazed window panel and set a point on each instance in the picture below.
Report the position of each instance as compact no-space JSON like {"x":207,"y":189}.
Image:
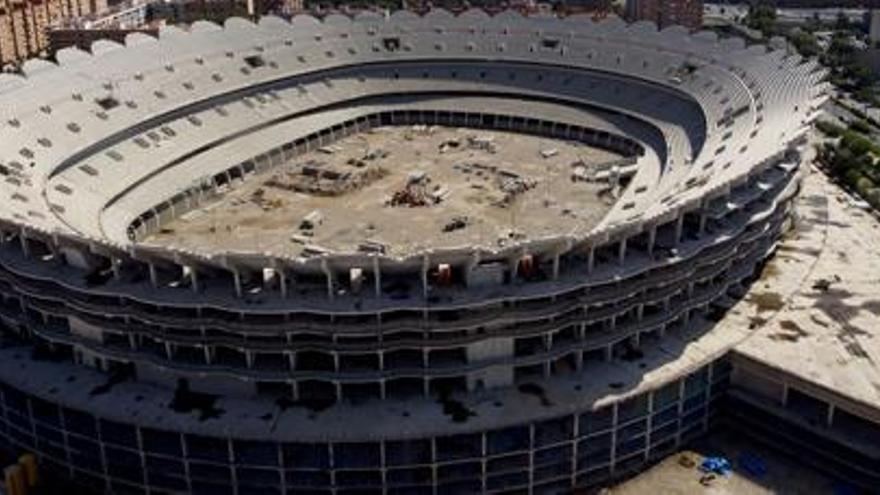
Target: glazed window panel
{"x":119,"y":434}
{"x":356,"y":455}
{"x":596,"y":421}
{"x":554,"y":431}
{"x":252,"y":476}
{"x":666,"y":395}
{"x":210,"y":472}
{"x":164,"y":466}
{"x":306,"y":455}
{"x":552,"y":455}
{"x":508,"y":440}
{"x":404,"y":453}
{"x":696,"y":382}
{"x":207,"y":448}
{"x":409,"y":476}
{"x":459,"y":471}
{"x":161,"y":442}
{"x":308,"y":479}
{"x":632,"y":408}
{"x":360,"y":479}
{"x":124,"y":464}
{"x":255,"y":453}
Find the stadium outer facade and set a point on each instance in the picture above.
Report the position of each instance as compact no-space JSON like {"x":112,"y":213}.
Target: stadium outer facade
{"x":135,"y":369}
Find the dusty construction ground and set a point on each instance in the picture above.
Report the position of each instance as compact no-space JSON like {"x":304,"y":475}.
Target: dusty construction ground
{"x":258,"y":216}
{"x":671,"y":477}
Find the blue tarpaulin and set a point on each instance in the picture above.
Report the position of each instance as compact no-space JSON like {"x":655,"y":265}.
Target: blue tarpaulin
{"x":716,"y":465}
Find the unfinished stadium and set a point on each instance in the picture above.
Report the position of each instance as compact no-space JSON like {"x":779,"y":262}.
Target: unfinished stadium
{"x":439,"y":254}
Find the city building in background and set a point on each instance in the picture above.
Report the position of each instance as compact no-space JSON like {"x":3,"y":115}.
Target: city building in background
{"x":24,"y":24}
{"x":115,"y":25}
{"x":664,"y":13}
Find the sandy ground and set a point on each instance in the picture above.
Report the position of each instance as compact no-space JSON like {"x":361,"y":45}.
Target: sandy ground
{"x":259,"y":215}
{"x":673,"y":476}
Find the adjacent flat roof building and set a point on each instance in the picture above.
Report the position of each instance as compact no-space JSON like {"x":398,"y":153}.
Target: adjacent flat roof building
{"x":688,"y":13}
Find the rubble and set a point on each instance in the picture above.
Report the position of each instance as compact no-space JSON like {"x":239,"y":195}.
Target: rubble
{"x":457,"y":223}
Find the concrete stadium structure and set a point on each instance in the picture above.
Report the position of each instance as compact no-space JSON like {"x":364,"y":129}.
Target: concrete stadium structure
{"x":133,"y":368}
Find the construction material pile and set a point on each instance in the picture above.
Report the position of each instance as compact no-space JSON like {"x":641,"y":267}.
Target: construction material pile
{"x":319,"y":179}
{"x":416,"y":192}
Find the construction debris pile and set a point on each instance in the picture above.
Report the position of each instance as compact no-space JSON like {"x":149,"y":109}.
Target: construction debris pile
{"x":265,"y":203}
{"x":509,"y":184}
{"x":418,"y":192}
{"x":320,"y":179}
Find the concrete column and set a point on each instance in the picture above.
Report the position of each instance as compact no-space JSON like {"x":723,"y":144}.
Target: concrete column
{"x":703,"y":219}
{"x":829,"y":418}
{"x":615,"y":423}
{"x":556,"y":257}
{"x":114,"y":266}
{"x":652,"y":239}
{"x":282,"y":281}
{"x":236,"y":278}
{"x":426,"y":264}
{"x":325,"y":267}
{"x":377,"y":276}
{"x":640,"y":312}
{"x":154,"y":277}
{"x":25,"y":248}
{"x":194,"y":279}
{"x":591,"y":259}
{"x":679,"y":228}
{"x":621,"y":252}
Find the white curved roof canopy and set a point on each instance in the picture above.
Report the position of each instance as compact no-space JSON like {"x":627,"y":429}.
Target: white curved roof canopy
{"x":78,"y":142}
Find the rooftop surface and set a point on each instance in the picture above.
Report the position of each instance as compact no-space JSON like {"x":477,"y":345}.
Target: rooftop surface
{"x":815,"y":311}
{"x":449,"y":187}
